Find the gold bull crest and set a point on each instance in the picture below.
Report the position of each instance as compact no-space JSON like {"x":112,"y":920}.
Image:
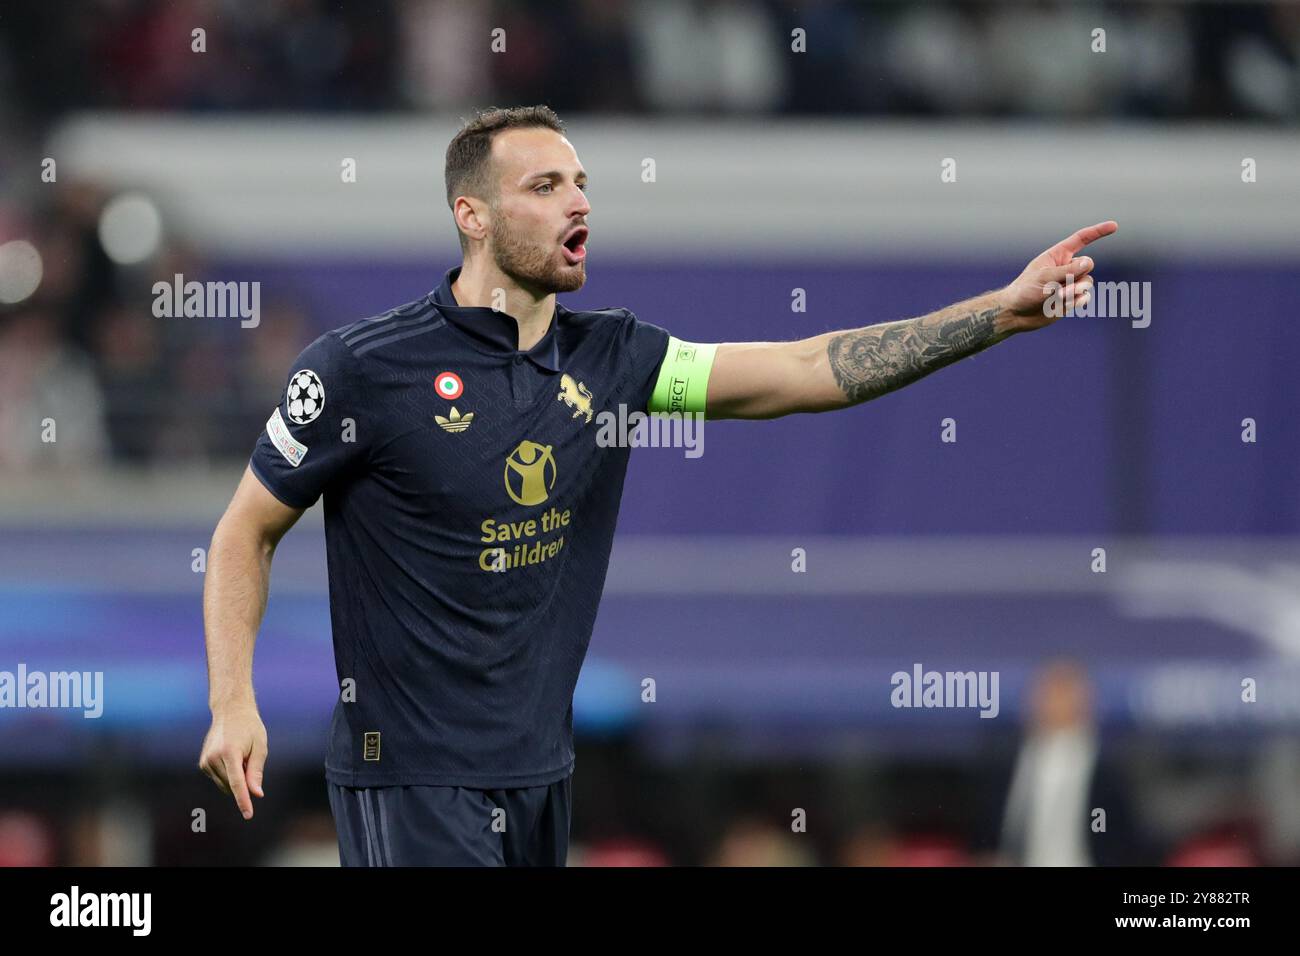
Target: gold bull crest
{"x":576,"y":395}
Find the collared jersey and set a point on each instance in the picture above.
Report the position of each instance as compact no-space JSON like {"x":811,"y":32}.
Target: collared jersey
{"x":469,"y":516}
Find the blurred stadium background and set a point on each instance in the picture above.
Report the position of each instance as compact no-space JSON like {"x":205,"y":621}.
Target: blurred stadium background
{"x":775,"y":171}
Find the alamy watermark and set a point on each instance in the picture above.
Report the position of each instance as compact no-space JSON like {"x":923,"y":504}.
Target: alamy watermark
{"x":922,"y":688}
{"x":636,"y":429}
{"x":208,"y":300}
{"x":1109,"y":300}
{"x":83,"y":690}
{"x":132,"y":911}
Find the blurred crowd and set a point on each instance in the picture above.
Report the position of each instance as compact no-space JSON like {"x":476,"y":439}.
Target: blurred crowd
{"x":964,"y":57}
{"x":88,"y":374}
{"x":83,"y":352}
{"x":1060,"y":794}
{"x":743,"y":823}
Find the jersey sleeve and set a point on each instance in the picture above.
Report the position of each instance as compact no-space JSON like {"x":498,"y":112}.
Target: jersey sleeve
{"x":673,"y":375}
{"x":647,"y":344}
{"x":313,"y":436}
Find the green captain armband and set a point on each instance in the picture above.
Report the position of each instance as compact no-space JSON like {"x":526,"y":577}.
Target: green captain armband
{"x":683,"y":381}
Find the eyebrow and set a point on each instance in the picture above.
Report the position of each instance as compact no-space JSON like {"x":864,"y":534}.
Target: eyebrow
{"x":556,"y":174}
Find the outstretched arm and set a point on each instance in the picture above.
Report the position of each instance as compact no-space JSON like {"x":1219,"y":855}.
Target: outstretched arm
{"x":756,"y":380}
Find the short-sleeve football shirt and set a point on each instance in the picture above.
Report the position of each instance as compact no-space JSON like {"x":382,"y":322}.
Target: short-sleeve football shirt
{"x":469,"y":517}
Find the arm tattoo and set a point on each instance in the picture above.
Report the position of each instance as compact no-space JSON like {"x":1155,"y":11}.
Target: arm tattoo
{"x":870,"y":362}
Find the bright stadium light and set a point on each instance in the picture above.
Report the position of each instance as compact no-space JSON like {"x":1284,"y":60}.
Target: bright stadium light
{"x":130,"y":228}
{"x":20,"y":270}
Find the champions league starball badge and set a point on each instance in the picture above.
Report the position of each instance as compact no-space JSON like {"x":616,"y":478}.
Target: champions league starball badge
{"x":305,"y":397}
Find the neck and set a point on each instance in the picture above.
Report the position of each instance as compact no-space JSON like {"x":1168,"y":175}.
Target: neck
{"x":483,"y":285}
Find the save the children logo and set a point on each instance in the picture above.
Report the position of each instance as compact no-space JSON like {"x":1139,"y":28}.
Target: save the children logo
{"x":515,"y":542}
{"x":530,"y":473}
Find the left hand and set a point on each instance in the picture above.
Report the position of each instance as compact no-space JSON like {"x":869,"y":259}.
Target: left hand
{"x":1048,"y":276}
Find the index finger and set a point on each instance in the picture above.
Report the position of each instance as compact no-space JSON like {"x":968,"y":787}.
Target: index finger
{"x":1086,"y":235}
{"x":235,"y":780}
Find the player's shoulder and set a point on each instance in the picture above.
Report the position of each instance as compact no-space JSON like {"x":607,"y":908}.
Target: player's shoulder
{"x":623,"y":330}
{"x":375,"y":333}
{"x":610,"y":317}
{"x":620,"y":324}
{"x":357,"y":350}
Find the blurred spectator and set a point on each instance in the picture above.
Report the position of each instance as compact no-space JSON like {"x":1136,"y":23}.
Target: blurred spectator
{"x":25,"y":840}
{"x":1042,"y":63}
{"x":51,"y":408}
{"x":441,"y":42}
{"x":869,"y":845}
{"x":133,"y":376}
{"x":1222,"y":848}
{"x":308,"y":841}
{"x":927,"y":850}
{"x":1276,"y":782}
{"x":1060,"y":782}
{"x":716,"y":56}
{"x":623,"y":852}
{"x":754,"y":842}
{"x":117,"y":833}
{"x":1157,"y":56}
{"x":932,"y":52}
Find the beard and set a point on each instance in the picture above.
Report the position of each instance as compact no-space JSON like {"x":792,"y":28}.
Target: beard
{"x":531,"y":265}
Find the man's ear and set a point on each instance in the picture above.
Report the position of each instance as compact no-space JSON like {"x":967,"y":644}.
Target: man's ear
{"x":472,"y":217}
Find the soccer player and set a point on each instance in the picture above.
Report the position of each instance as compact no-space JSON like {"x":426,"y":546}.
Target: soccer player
{"x":469,"y":510}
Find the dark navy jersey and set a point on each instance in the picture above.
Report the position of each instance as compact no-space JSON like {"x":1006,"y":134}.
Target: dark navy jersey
{"x":469,"y":515}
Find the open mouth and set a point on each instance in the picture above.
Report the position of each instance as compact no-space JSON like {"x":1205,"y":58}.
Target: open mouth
{"x":575,"y":246}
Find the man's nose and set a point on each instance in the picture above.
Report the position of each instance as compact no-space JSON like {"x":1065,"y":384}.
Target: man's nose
{"x":579,"y":206}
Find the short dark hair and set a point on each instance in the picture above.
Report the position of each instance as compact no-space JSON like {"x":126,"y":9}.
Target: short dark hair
{"x":470,"y":150}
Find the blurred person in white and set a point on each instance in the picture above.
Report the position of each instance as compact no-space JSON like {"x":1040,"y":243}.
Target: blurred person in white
{"x":1059,"y":781}
{"x":1042,"y":62}
{"x":1159,"y":61}
{"x":1276,"y":779}
{"x":51,"y":407}
{"x":725,"y":55}
{"x":1262,"y":65}
{"x":931,"y":52}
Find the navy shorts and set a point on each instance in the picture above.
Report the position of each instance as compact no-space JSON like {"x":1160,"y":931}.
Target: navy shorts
{"x":452,"y":826}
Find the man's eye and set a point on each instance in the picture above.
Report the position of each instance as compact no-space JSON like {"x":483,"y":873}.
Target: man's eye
{"x":546,"y":186}
{"x":582,"y":186}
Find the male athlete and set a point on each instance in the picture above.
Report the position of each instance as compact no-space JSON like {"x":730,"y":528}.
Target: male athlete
{"x":469,"y":511}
